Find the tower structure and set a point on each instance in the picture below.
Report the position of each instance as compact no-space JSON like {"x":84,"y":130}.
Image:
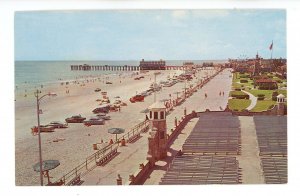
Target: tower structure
{"x":257,"y":65}
{"x":280,"y":104}
{"x":157,"y":141}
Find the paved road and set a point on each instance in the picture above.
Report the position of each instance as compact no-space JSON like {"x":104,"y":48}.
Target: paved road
{"x":127,"y":162}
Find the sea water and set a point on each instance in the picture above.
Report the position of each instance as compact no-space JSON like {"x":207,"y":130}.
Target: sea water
{"x":33,"y":74}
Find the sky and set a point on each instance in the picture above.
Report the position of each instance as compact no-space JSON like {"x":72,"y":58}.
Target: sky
{"x":149,"y":34}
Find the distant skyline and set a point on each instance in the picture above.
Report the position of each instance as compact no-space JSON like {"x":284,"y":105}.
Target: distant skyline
{"x":149,"y":34}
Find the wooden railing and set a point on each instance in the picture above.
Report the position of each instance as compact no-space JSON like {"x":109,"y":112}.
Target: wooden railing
{"x":89,"y":164}
{"x":135,"y":131}
{"x":100,"y":156}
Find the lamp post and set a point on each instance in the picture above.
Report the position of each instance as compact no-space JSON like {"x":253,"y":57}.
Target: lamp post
{"x":38,"y":99}
{"x":154,"y":85}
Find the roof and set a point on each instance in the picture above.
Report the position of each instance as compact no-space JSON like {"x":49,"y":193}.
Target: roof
{"x":157,"y":105}
{"x":280,"y":96}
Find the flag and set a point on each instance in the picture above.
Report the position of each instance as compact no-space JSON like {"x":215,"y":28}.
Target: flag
{"x":271,"y":46}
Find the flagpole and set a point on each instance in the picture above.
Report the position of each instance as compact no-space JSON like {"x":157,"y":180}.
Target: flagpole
{"x":272,"y":50}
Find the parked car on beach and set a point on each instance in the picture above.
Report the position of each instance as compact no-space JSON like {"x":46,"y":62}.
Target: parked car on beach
{"x":97,"y":89}
{"x":43,"y":128}
{"x":102,"y":109}
{"x":75,"y":119}
{"x":104,"y":117}
{"x":94,"y":121}
{"x":136,"y":98}
{"x":58,"y":124}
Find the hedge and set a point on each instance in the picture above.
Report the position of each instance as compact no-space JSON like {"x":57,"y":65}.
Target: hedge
{"x":244,"y":75}
{"x":243,"y":81}
{"x":274,"y":95}
{"x":239,"y":95}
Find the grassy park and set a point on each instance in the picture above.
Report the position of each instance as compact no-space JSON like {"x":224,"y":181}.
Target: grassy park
{"x":238,"y":104}
{"x":244,"y":82}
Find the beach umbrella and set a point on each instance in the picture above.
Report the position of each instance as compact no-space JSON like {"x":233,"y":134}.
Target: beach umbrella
{"x":145,"y":111}
{"x":116,"y":131}
{"x":46,"y":166}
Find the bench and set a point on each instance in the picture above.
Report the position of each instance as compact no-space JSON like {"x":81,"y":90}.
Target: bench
{"x":133,"y":138}
{"x":75,"y":181}
{"x":105,"y":159}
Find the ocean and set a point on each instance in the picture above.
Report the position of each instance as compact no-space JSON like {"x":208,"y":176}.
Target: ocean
{"x":36,"y":73}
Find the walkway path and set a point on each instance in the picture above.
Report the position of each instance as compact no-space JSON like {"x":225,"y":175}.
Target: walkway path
{"x":127,"y":162}
{"x":253,"y":100}
{"x":249,"y":159}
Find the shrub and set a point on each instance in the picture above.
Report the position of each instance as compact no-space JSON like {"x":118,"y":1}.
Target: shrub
{"x":274,"y":95}
{"x":237,"y":89}
{"x":260,"y":98}
{"x":244,"y":75}
{"x":260,"y":95}
{"x":243,"y":81}
{"x":240,"y":96}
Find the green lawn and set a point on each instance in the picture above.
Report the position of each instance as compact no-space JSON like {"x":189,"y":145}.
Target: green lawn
{"x":267,"y":93}
{"x":263,"y":105}
{"x":238,"y":104}
{"x":237,"y":93}
{"x":236,"y":82}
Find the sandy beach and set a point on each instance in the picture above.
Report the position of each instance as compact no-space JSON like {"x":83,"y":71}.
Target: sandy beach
{"x":77,"y":139}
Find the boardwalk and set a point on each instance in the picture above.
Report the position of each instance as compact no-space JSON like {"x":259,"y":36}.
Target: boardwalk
{"x":127,"y":162}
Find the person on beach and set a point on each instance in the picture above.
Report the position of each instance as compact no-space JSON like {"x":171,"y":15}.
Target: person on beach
{"x":205,"y":95}
{"x":223,"y":93}
{"x":220,"y":93}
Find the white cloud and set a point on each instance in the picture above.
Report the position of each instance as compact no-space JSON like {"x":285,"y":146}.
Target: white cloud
{"x":208,"y":14}
{"x":179,"y":14}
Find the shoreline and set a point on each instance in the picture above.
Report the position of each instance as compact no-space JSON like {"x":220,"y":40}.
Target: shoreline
{"x":78,"y":139}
